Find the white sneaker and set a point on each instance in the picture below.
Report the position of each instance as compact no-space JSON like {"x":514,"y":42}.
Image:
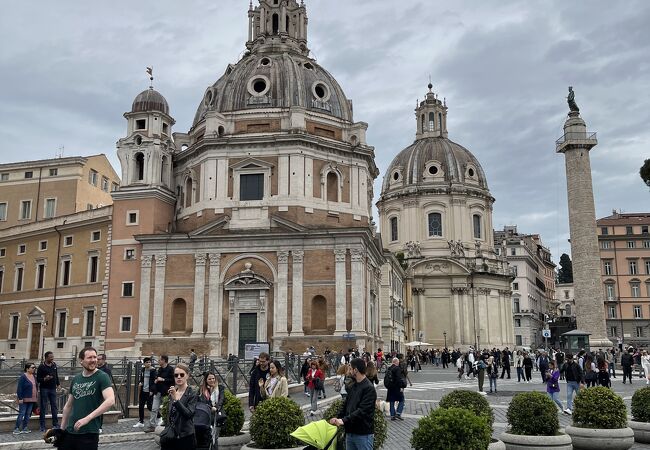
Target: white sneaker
{"x":138,"y":425}
{"x":568,"y":411}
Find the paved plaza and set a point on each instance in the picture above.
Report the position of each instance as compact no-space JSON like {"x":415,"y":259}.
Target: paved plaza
{"x":429,"y":385}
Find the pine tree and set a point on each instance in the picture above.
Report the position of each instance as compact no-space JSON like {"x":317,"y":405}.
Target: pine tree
{"x":645,"y":172}
{"x":565,"y":273}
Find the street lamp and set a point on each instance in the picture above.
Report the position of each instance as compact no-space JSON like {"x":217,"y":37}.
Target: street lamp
{"x":445,"y":335}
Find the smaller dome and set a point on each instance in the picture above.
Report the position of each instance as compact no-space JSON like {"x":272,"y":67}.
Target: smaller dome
{"x":150,"y":100}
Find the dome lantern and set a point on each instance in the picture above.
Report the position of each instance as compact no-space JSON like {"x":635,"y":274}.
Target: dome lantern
{"x":431,"y":116}
{"x":277,"y":25}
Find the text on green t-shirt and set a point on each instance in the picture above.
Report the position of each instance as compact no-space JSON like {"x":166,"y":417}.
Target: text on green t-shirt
{"x":87,"y":393}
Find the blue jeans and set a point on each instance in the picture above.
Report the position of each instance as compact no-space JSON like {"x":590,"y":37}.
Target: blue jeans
{"x":359,"y":441}
{"x":555,"y":396}
{"x":520,"y":374}
{"x":400,"y":407}
{"x":493,"y":382}
{"x":571,"y":388}
{"x":612,"y":370}
{"x":49,"y":395}
{"x":24,"y":413}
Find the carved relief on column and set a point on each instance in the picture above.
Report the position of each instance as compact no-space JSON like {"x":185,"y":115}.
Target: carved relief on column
{"x":159,"y":295}
{"x":215,"y":304}
{"x":145,"y":294}
{"x":297,"y":293}
{"x":341,"y":290}
{"x":280,"y":304}
{"x":200,"y":260}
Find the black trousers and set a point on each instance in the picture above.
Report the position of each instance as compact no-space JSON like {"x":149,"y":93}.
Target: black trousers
{"x":80,"y":442}
{"x":184,"y":443}
{"x":506,"y":369}
{"x":144,"y":400}
{"x":528,"y":370}
{"x":627,"y":372}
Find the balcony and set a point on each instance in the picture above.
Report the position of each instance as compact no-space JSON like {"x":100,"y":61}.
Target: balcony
{"x":576,"y":138}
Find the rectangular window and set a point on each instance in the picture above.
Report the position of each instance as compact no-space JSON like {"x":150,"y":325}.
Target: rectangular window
{"x":126,"y":324}
{"x":513,"y":252}
{"x":609,"y":288}
{"x":608,"y":267}
{"x":630,"y":244}
{"x":42,"y":246}
{"x":25,"y":209}
{"x":518,"y":340}
{"x":67,"y":241}
{"x":104,"y":184}
{"x":636,"y":289}
{"x":93,"y":269}
{"x":50,"y":208}
{"x":3,"y":252}
{"x":515,"y":306}
{"x":54,"y":172}
{"x":393,"y":229}
{"x":95,"y":236}
{"x":606,"y":244}
{"x":632,"y":267}
{"x":20,"y":272}
{"x":61,"y":324}
{"x":515,"y":286}
{"x":92,"y":177}
{"x":644,"y":229}
{"x":2,"y":279}
{"x":132,"y":217}
{"x":476,"y":222}
{"x":29,"y":174}
{"x":90,"y":323}
{"x":66,"y":266}
{"x":13,"y":328}
{"x":647,"y":266}
{"x":435,"y":224}
{"x":611,"y":311}
{"x":127,"y":289}
{"x":629,"y":229}
{"x":141,"y":124}
{"x":604,"y":231}
{"x":638,"y":313}
{"x":40,"y":275}
{"x":517,"y":322}
{"x":114,"y":187}
{"x":613,"y":331}
{"x":639,"y":332}
{"x":129,"y":254}
{"x":4,"y":176}
{"x":251,"y":186}
{"x":22,"y":249}
{"x":3,"y":211}
{"x":646,"y":244}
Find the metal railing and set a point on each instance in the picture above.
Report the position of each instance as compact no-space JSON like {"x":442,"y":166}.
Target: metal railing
{"x":576,"y":136}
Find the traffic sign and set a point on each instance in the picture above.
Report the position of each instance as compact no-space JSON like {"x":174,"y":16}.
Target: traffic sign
{"x":546,"y":333}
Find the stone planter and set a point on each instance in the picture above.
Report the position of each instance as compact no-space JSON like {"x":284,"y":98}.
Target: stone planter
{"x":641,"y":431}
{"x":250,"y":447}
{"x":496,"y":445}
{"x":233,"y":442}
{"x":523,"y":442}
{"x":591,"y":438}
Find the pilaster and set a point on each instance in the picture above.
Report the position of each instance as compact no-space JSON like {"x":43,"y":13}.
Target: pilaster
{"x":215,"y":305}
{"x":199,"y":294}
{"x":297,"y":293}
{"x":145,"y":293}
{"x":159,"y":296}
{"x":357,"y":291}
{"x":341,"y":282}
{"x":280,"y":307}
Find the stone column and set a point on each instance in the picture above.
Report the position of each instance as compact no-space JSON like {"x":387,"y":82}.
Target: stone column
{"x":455,"y":293}
{"x":215,"y":305}
{"x":199,"y":294}
{"x":341,"y":291}
{"x":233,"y":325}
{"x":419,"y":308}
{"x":280,"y":304}
{"x":145,"y":294}
{"x":357,"y":291}
{"x":296,"y":299}
{"x":159,"y":296}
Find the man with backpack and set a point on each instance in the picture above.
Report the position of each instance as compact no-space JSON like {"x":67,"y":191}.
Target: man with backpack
{"x":395,"y":383}
{"x":575,"y":380}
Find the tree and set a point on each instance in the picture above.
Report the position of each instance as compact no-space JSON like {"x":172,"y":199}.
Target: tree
{"x":565,"y":274}
{"x":645,"y":172}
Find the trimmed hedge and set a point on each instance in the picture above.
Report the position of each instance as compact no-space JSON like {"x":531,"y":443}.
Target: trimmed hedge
{"x":641,"y":405}
{"x":533,"y":414}
{"x":273,"y":421}
{"x":451,"y":428}
{"x":235,"y":415}
{"x":599,"y":407}
{"x":470,"y":400}
{"x":380,"y":424}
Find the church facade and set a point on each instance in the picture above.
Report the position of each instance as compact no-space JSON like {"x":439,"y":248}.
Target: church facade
{"x":255,"y":224}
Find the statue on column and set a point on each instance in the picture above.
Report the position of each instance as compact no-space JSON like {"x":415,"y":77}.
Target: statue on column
{"x":573,"y":106}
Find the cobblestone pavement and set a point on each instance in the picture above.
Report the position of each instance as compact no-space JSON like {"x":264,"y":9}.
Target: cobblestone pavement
{"x":429,"y":385}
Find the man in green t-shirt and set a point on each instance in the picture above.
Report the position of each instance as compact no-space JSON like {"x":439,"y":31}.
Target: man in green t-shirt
{"x":91,"y":395}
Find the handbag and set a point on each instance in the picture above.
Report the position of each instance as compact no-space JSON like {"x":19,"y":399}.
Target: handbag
{"x":167,"y":436}
{"x":220,"y":419}
{"x":337,"y":385}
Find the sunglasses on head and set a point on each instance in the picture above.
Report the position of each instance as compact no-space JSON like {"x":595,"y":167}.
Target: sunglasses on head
{"x":179,"y":375}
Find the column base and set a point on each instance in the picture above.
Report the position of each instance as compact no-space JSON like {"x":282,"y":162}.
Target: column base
{"x":197,"y":335}
{"x":600,"y":342}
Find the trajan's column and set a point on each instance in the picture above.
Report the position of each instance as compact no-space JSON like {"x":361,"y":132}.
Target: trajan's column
{"x":576,"y":144}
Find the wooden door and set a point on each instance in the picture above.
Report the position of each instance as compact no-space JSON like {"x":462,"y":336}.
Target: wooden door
{"x":36,"y":341}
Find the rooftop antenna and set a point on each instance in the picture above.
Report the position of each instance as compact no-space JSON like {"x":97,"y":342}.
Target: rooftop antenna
{"x":150,"y":73}
{"x":61,"y":150}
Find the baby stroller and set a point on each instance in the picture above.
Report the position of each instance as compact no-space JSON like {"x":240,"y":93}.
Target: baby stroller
{"x":205,"y":427}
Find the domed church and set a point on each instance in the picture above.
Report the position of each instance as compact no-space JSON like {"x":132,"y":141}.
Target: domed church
{"x":436,"y":209}
{"x":254,"y":225}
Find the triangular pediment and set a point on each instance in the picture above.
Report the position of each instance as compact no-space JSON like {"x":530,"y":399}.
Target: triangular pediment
{"x":439,"y":266}
{"x":36,"y":312}
{"x":210,"y":227}
{"x":280,"y":222}
{"x":252,"y":163}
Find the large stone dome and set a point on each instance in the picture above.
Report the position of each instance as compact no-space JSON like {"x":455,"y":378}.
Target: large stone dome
{"x":275,"y":80}
{"x":434,"y":160}
{"x":150,"y":100}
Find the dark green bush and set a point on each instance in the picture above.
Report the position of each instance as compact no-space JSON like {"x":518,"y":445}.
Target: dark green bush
{"x":164,"y":409}
{"x":451,"y":428}
{"x":470,"y":400}
{"x":599,"y":407}
{"x":533,"y":414}
{"x":235,"y":413}
{"x":380,"y":424}
{"x":641,"y":405}
{"x":273,"y":421}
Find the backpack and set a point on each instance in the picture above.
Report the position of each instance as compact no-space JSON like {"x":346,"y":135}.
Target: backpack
{"x":388,"y":378}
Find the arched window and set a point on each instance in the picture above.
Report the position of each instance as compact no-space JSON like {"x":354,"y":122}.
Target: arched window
{"x":393,"y":229}
{"x":432,"y":121}
{"x":276,"y":24}
{"x":287,"y":23}
{"x":163,"y":170}
{"x":422,"y":129}
{"x":179,"y":315}
{"x":332,"y":187}
{"x":567,"y":309}
{"x":610,"y":291}
{"x":188,"y":192}
{"x":435,"y":224}
{"x":476,"y":223}
{"x":139,"y":166}
{"x":440,"y":121}
{"x":319,"y":313}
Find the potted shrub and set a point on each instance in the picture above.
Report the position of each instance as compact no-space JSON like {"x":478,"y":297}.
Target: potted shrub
{"x":380,"y":425}
{"x":272,"y":423}
{"x":600,"y":421}
{"x":641,"y":415}
{"x":230,"y":435}
{"x":533,"y":421}
{"x":446,"y":428}
{"x":477,"y":404}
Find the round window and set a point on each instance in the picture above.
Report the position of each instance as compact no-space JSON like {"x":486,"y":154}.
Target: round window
{"x":138,"y":140}
{"x":265,"y":62}
{"x":308,"y":66}
{"x":259,"y":85}
{"x":208,"y":97}
{"x":433,"y":170}
{"x":470,"y":172}
{"x":320,"y":91}
{"x":396,"y":176}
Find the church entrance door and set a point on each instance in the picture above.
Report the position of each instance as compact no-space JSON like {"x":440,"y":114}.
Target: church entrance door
{"x":247,"y":330}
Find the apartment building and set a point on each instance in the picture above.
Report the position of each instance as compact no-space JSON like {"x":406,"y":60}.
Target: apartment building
{"x":624,"y":242}
{"x":37,"y":190}
{"x":533,"y":289}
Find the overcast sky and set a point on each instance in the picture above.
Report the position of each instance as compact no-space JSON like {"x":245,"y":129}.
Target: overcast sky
{"x":70,"y":69}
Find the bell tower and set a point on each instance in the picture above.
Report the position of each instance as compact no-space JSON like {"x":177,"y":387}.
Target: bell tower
{"x":431,"y":116}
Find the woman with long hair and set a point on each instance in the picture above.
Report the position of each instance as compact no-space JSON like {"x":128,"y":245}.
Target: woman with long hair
{"x":182,"y":406}
{"x":276,"y":384}
{"x":314,"y":378}
{"x":211,"y":395}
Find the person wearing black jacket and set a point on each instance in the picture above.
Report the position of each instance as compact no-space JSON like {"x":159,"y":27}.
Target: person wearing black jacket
{"x":575,"y":380}
{"x":147,"y":389}
{"x":358,"y":413}
{"x":260,"y":372}
{"x":505,"y":360}
{"x":182,"y":406}
{"x":303,"y":374}
{"x":164,"y":380}
{"x":627,"y":361}
{"x":395,"y":384}
{"x":47,"y":377}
